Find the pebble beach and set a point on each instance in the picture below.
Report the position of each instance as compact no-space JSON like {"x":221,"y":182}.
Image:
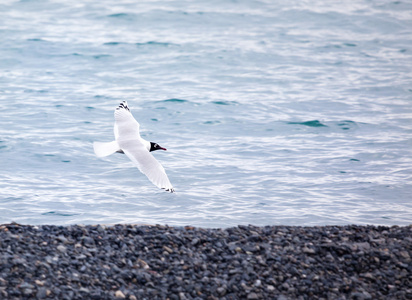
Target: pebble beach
{"x":243,"y":262}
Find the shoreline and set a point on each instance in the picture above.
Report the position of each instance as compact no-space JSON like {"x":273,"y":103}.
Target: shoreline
{"x":126,"y":261}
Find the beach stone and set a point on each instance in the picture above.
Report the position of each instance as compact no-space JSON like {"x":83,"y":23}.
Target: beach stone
{"x":308,"y":250}
{"x":41,"y":293}
{"x":405,"y":255}
{"x":364,"y":246}
{"x":84,"y":290}
{"x":88,"y":241}
{"x":39,"y":282}
{"x":26,"y":285}
{"x":119,"y":294}
{"x":27,"y":292}
{"x":221,"y":291}
{"x":168,"y":249}
{"x":62,"y":248}
{"x":160,"y":262}
{"x":270,"y":288}
{"x":100,"y":229}
{"x":62,"y":239}
{"x":252,"y":296}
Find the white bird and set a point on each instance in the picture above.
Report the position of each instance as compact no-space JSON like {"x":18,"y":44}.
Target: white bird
{"x":128,"y":141}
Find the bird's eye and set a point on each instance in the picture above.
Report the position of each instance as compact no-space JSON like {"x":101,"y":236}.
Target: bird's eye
{"x":156,"y":145}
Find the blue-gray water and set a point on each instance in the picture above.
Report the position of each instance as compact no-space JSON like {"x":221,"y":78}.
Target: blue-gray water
{"x":273,"y":112}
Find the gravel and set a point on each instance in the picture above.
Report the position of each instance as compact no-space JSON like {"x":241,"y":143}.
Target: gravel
{"x":244,"y":262}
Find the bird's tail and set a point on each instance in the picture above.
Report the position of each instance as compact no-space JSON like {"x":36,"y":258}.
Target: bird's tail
{"x":105,"y":149}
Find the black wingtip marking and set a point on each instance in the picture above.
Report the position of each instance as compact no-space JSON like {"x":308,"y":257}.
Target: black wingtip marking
{"x":123,"y":105}
{"x":169,"y":190}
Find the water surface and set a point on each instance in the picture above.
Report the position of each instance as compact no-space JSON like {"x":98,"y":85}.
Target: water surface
{"x":285,"y":112}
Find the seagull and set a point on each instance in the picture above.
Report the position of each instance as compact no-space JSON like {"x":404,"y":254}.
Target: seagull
{"x":128,"y":141}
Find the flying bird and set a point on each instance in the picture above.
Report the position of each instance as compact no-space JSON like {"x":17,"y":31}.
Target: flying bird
{"x":128,"y":141}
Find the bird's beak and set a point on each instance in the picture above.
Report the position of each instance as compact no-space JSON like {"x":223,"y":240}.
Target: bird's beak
{"x":163,"y":148}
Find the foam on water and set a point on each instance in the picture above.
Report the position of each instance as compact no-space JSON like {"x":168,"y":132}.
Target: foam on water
{"x":295,"y":113}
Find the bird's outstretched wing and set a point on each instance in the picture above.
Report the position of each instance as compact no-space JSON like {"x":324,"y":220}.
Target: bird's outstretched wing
{"x":126,"y":126}
{"x":147,"y":164}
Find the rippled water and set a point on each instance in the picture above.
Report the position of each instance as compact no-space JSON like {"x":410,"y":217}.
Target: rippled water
{"x":273,"y":112}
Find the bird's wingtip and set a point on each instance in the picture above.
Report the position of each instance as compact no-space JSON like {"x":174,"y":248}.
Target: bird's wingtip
{"x":123,"y":105}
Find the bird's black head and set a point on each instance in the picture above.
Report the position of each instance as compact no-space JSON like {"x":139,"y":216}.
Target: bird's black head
{"x":155,"y":146}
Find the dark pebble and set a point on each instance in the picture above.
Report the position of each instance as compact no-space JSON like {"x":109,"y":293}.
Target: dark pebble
{"x":244,"y":262}
{"x":41,"y":293}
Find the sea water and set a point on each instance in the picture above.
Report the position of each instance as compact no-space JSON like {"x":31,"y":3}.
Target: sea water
{"x":273,"y":112}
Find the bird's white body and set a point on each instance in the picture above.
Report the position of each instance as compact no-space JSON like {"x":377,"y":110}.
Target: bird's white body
{"x":128,"y":141}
